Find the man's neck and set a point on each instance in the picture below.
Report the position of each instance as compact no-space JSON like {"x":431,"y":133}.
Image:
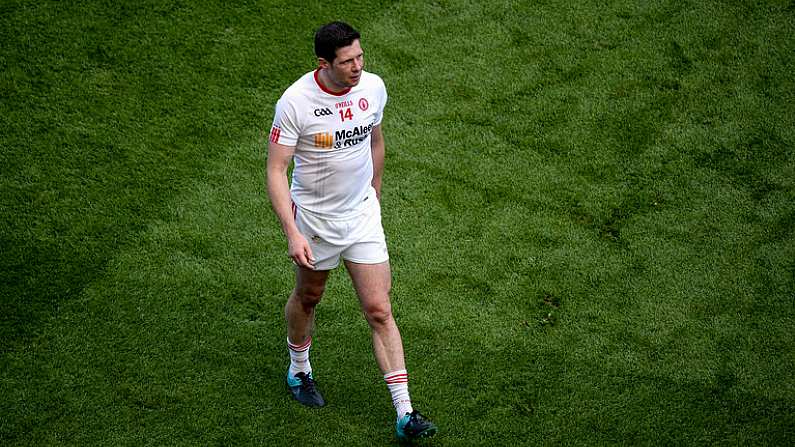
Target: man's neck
{"x":328,"y":83}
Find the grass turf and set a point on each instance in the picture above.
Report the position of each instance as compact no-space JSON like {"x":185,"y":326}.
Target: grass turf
{"x":589,"y":209}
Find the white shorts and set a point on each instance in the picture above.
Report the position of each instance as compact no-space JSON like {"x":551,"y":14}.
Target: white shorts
{"x":359,"y":239}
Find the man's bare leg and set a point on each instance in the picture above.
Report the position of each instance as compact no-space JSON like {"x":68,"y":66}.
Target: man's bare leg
{"x":373,"y":283}
{"x":300,"y":308}
{"x":300,"y":315}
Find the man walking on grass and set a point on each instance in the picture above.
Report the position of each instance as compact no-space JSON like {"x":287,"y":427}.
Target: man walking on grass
{"x":329,"y":123}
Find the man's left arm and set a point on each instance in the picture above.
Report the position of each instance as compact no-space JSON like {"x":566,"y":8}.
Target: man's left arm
{"x":378,"y":148}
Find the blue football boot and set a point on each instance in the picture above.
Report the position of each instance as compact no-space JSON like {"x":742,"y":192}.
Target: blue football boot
{"x":302,"y":386}
{"x":413,"y":425}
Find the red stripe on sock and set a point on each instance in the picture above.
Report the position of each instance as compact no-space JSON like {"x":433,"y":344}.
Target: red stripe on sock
{"x":397,"y":378}
{"x":300,"y":348}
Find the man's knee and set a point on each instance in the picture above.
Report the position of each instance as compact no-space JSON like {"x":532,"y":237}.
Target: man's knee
{"x":378,"y":313}
{"x":309,"y":294}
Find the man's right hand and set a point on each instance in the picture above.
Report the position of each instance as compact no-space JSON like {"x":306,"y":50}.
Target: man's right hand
{"x":300,"y":252}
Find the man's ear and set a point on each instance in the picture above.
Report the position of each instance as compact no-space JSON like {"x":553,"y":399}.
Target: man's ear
{"x":322,"y":63}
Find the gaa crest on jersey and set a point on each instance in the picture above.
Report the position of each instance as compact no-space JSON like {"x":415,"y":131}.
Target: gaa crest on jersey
{"x":324,"y":140}
{"x":323,"y":111}
{"x":363,"y":104}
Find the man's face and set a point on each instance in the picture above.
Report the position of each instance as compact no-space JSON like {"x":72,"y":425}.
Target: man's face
{"x":346,"y":70}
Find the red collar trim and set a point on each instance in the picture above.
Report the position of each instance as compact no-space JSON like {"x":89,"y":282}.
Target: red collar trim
{"x":325,"y":89}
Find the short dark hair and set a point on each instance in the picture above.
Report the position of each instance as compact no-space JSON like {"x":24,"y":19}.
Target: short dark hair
{"x":331,"y":36}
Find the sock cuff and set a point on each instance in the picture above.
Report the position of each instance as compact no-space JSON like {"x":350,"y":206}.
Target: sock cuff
{"x":394,"y":377}
{"x":300,"y":348}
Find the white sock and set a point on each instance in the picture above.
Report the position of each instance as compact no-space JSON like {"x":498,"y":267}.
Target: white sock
{"x":398,"y":384}
{"x":299,"y":357}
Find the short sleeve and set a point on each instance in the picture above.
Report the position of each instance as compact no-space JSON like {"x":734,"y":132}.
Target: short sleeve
{"x":285,"y":129}
{"x":382,"y":102}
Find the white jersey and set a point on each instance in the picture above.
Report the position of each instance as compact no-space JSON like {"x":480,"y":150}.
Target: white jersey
{"x":330,"y":131}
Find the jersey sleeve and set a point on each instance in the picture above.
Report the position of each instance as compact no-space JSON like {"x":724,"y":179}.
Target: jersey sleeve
{"x":285,"y":128}
{"x":382,"y":102}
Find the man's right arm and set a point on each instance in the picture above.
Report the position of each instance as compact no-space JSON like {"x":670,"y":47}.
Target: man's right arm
{"x":279,"y":157}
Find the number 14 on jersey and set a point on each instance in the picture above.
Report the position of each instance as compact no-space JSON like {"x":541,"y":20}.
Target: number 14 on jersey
{"x":346,"y":114}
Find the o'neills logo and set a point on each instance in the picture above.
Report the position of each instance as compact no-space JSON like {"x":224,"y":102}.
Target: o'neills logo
{"x":324,"y":140}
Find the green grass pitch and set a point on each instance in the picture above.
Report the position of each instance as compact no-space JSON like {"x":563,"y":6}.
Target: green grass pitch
{"x":589,"y":206}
